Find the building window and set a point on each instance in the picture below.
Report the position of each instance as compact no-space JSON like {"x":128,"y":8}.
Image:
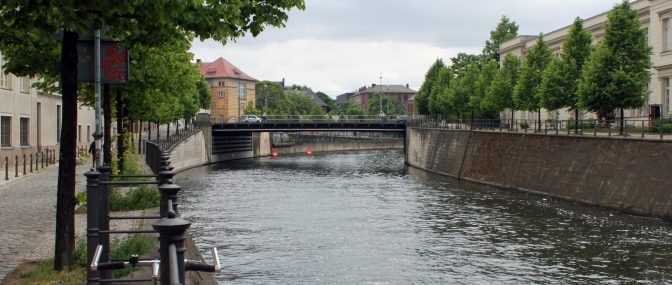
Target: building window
{"x":24,"y":127}
{"x":221,"y":94}
{"x":25,"y":84}
{"x":79,"y":133}
{"x":666,"y":96}
{"x":4,"y":83}
{"x":58,"y":124}
{"x":241,"y":90}
{"x":666,"y":35}
{"x":5,"y":131}
{"x":242,"y":107}
{"x":221,"y":84}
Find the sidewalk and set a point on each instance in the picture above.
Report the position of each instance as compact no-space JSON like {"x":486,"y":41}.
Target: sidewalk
{"x":28,"y":216}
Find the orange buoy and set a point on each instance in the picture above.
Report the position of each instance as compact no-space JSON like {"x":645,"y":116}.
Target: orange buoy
{"x":274,"y":153}
{"x":309,"y":151}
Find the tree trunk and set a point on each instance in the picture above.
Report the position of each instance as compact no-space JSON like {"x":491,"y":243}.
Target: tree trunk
{"x":513,"y":121}
{"x":168,"y":131}
{"x":121,"y":132}
{"x":539,"y":120}
{"x":158,"y":132}
{"x":621,"y":128}
{"x":64,"y":250}
{"x":107,"y":136}
{"x":140,"y":137}
{"x":149,"y":130}
{"x":576,"y":120}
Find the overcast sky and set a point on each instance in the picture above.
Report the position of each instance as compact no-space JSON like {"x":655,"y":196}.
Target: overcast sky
{"x":337,"y":46}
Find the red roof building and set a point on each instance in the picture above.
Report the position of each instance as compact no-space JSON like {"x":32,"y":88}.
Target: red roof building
{"x":232,"y":89}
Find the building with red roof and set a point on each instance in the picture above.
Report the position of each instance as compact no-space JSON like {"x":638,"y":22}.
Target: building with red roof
{"x":232,"y":89}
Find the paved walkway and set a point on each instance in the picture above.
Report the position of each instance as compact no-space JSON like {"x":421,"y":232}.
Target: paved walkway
{"x":27,"y":216}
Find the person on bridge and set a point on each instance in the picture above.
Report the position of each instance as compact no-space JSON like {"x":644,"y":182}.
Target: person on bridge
{"x":263,"y":117}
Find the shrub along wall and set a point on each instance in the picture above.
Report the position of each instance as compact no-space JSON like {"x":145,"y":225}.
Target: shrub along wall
{"x":627,"y":174}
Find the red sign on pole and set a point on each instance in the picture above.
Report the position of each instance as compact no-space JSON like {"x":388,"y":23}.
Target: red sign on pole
{"x":113,"y":62}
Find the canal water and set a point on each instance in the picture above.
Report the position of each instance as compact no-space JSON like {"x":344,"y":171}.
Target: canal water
{"x":366,"y":218}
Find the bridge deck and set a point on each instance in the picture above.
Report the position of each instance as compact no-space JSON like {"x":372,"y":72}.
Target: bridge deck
{"x":310,"y":126}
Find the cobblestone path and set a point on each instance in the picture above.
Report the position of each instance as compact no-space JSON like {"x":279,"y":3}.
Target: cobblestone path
{"x":28,"y":216}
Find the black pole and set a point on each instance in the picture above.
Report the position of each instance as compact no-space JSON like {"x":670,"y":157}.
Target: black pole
{"x":92,"y":230}
{"x":171,"y":234}
{"x":103,"y":218}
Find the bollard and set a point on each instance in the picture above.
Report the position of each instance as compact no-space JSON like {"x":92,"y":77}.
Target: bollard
{"x":24,"y":164}
{"x":6,"y":168}
{"x":31,"y":163}
{"x":37,"y":161}
{"x":92,"y":230}
{"x":16,"y":166}
{"x":104,"y":217}
{"x":171,"y":243}
{"x":42,"y":155}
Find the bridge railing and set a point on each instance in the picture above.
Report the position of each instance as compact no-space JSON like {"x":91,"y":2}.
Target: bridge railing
{"x":307,"y":119}
{"x":629,"y":127}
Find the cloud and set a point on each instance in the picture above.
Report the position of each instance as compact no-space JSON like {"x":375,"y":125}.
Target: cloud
{"x":339,"y":46}
{"x":334,"y":67}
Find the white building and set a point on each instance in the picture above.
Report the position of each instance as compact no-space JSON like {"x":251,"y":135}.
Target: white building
{"x":30,"y":121}
{"x":656,"y":20}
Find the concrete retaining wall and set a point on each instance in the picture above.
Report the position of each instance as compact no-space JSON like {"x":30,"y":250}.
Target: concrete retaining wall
{"x":189,"y":153}
{"x":626,"y":174}
{"x":328,"y":143}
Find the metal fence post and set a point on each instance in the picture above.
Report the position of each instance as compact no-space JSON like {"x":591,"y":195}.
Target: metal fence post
{"x":31,"y":162}
{"x":104,"y":217}
{"x":92,"y":230}
{"x":24,"y":164}
{"x":6,"y":168}
{"x":42,"y":155}
{"x":171,"y":238}
{"x":16,"y":166}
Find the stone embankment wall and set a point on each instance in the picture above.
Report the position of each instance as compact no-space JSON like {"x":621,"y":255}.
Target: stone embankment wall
{"x":332,"y":143}
{"x":630,"y":175}
{"x":190,"y":153}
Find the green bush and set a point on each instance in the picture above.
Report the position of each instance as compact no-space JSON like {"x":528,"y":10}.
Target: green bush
{"x":138,"y":198}
{"x":583,"y":124}
{"x":137,"y":244}
{"x":665,"y":124}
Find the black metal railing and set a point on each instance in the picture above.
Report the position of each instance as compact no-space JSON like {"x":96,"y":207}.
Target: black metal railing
{"x":176,"y":137}
{"x":171,"y":229}
{"x":659,"y":129}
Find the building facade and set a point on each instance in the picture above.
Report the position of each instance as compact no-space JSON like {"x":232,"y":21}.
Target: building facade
{"x":400,"y":92}
{"x":30,"y":121}
{"x":232,"y":89}
{"x":656,"y":21}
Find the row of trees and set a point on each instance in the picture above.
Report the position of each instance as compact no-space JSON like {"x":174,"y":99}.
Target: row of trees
{"x":272,"y":99}
{"x":39,"y":38}
{"x":609,"y":76}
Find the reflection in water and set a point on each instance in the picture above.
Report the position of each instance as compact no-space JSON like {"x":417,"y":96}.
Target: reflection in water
{"x":360,"y":218}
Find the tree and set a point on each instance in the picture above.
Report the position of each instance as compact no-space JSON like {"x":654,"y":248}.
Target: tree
{"x":268,"y":94}
{"x":526,"y":92}
{"x":390,"y":105}
{"x":330,"y":102}
{"x":438,"y":103}
{"x":500,"y":94}
{"x":504,"y":31}
{"x":485,"y":78}
{"x":42,"y":54}
{"x":204,"y":94}
{"x":560,"y":81}
{"x":617,"y":73}
{"x":422,"y":98}
{"x":350,"y":109}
